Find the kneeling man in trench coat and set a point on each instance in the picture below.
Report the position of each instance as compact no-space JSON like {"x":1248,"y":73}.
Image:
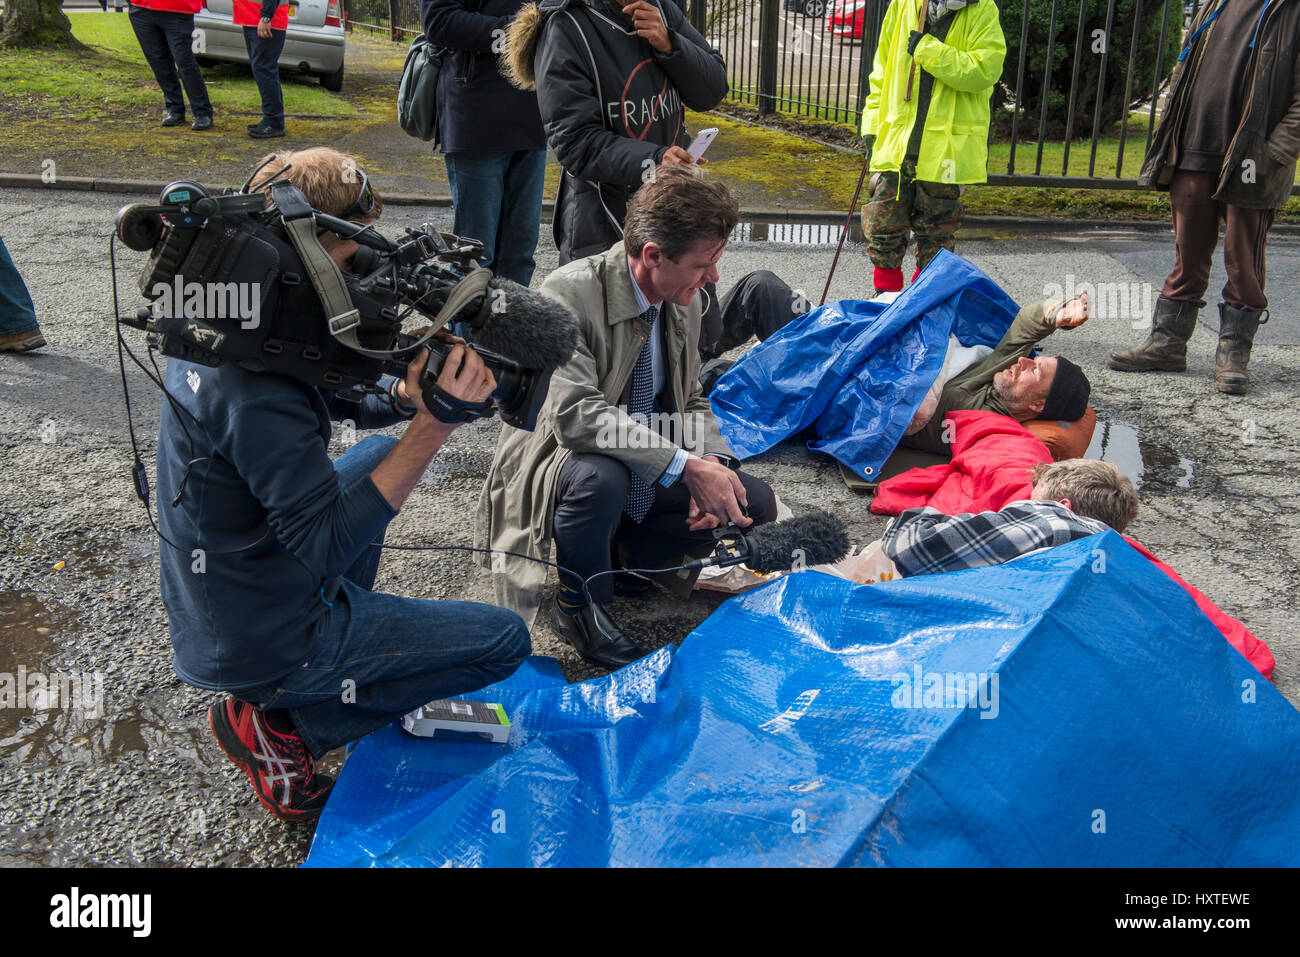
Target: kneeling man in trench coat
{"x":626,"y":464}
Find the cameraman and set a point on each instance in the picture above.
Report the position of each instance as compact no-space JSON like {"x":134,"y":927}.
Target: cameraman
{"x":269,"y":595}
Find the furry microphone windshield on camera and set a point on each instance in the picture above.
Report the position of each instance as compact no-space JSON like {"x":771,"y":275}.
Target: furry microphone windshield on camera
{"x":514,"y":321}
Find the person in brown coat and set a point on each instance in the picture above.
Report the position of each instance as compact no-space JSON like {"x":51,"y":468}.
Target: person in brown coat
{"x":1225,"y":149}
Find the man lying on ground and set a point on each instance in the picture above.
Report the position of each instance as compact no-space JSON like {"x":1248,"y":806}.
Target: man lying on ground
{"x":1070,"y":500}
{"x":1009,"y":382}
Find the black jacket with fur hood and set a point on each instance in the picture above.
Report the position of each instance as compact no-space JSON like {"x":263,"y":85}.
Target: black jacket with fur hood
{"x":611,"y":105}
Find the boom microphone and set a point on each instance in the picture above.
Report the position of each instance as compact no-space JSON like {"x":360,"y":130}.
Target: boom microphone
{"x":814,"y":538}
{"x":532,"y":329}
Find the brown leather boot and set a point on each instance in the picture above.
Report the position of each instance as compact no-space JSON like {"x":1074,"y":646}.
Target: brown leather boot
{"x":1237,"y":328}
{"x":1166,"y":347}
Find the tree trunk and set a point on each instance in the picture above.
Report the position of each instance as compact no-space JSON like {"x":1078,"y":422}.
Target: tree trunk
{"x":37,"y":23}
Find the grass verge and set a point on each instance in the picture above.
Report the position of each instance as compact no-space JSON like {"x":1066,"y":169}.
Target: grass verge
{"x":113,"y":80}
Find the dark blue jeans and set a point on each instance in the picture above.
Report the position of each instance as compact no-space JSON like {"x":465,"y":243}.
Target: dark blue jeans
{"x":377,"y":656}
{"x":498,"y":201}
{"x":165,"y":40}
{"x":264,"y":57}
{"x":17,"y":314}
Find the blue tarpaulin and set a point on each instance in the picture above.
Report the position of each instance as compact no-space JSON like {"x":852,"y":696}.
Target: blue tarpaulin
{"x":858,"y":369}
{"x":1071,"y":708}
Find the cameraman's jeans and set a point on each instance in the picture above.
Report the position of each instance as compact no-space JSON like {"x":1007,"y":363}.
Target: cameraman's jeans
{"x":166,"y":40}
{"x":498,"y":201}
{"x":264,"y":58}
{"x":17,"y":314}
{"x":379,"y":656}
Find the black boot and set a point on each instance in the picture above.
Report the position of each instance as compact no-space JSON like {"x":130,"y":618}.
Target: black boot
{"x":1166,"y":347}
{"x":595,"y":636}
{"x":1237,"y":328}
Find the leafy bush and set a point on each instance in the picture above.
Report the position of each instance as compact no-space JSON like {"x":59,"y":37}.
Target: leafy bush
{"x":1113,"y":107}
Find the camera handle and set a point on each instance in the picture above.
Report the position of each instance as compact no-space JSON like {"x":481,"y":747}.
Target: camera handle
{"x":449,"y":409}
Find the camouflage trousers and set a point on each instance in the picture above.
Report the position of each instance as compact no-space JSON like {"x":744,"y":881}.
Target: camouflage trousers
{"x":932,"y":211}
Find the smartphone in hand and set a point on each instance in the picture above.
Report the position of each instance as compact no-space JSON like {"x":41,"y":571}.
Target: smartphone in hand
{"x":701,"y":142}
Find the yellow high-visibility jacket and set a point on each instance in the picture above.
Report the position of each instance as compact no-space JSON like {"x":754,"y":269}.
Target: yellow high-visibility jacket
{"x":965,"y":65}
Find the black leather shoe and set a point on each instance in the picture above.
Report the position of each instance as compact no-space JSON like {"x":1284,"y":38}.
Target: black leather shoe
{"x":595,"y":637}
{"x":173,"y":119}
{"x":627,"y":585}
{"x":201,"y":123}
{"x":264,"y":131}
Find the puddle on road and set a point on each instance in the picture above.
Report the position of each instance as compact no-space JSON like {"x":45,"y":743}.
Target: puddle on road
{"x":1153,"y":467}
{"x":27,"y":630}
{"x":796,"y":234}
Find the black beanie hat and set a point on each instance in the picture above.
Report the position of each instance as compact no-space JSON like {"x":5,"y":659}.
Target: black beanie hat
{"x":1067,"y":399}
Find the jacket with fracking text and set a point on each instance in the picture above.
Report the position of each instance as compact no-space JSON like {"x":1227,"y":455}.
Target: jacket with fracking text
{"x":965,"y":65}
{"x":611,"y":105}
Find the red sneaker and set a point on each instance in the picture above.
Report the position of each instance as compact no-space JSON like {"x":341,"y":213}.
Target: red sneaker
{"x":278,"y":765}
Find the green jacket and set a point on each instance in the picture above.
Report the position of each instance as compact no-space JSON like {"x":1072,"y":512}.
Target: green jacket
{"x":965,"y":66}
{"x":973,"y":388}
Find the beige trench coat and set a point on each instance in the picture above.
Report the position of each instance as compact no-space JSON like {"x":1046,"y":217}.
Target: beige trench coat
{"x":581,"y":414}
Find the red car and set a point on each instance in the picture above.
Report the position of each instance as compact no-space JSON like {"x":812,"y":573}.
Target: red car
{"x":847,"y":17}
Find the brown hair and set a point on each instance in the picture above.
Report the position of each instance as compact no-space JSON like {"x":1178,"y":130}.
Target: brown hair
{"x":1095,"y":489}
{"x":675,"y":210}
{"x":329,"y":179}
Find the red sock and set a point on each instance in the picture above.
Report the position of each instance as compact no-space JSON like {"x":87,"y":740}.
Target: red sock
{"x":888,"y":280}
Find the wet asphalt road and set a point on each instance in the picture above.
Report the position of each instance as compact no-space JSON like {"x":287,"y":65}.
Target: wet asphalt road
{"x":144,"y":783}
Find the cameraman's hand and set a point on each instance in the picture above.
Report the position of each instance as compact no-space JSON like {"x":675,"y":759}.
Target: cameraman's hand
{"x":717,"y":495}
{"x":465,"y":376}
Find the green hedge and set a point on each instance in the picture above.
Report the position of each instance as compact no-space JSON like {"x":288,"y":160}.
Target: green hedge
{"x":1113,"y":107}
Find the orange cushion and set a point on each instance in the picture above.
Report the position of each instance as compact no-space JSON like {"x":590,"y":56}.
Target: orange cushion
{"x":1065,"y":440}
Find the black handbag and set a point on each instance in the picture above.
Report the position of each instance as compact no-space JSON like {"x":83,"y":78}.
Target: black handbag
{"x":417,"y":93}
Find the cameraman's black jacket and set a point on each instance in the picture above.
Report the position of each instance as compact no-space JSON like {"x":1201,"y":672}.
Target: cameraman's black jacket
{"x":611,"y":106}
{"x":478,"y":110}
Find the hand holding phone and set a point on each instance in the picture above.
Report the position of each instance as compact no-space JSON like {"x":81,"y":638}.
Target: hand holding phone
{"x":701,"y":142}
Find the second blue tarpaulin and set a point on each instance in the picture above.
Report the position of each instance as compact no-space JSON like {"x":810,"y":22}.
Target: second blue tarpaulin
{"x":1071,"y":708}
{"x":858,"y":369}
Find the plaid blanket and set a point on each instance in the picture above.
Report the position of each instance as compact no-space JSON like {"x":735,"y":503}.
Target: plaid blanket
{"x":923,"y":541}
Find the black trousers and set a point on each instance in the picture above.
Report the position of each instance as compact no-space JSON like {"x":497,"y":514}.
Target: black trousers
{"x":756,"y":306}
{"x":590,"y":521}
{"x":165,"y":40}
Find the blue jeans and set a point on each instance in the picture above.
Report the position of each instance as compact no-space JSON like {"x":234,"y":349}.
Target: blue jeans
{"x":376,"y":657}
{"x":17,"y":313}
{"x":165,"y":40}
{"x":498,"y":201}
{"x":264,"y":58}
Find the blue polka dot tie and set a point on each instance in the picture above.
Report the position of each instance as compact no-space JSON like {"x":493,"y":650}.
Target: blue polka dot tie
{"x":641,"y":400}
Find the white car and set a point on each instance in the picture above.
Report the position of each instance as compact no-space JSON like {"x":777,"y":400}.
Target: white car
{"x":314,"y":43}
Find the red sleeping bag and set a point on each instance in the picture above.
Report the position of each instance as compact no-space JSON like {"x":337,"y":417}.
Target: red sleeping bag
{"x":991,"y":458}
